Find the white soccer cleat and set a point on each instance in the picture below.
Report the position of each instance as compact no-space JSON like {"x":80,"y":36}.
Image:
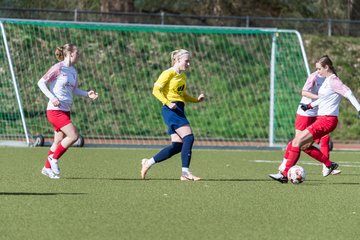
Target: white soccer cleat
{"x":54,"y":165}
{"x":334,"y":172}
{"x":145,"y":166}
{"x":328,"y":170}
{"x":279,"y":177}
{"x":187,"y":176}
{"x":49,"y":173}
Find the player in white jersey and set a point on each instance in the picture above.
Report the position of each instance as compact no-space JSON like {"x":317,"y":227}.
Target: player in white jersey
{"x":306,"y":118}
{"x":59,"y":84}
{"x":330,"y":94}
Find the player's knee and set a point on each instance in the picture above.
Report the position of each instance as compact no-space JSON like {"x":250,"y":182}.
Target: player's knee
{"x":305,"y":147}
{"x":296,"y":142}
{"x":176,"y":147}
{"x":73,"y":136}
{"x":189,"y":139}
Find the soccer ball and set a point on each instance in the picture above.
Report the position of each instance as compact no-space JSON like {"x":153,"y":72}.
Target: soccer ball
{"x":296,"y":174}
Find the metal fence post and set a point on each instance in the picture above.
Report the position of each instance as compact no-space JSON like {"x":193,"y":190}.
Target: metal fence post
{"x":75,"y":14}
{"x":329,"y":27}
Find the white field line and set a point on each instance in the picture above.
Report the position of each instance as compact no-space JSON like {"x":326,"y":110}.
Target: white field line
{"x":341,"y":164}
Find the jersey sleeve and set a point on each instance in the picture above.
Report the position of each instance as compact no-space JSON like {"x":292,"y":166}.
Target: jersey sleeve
{"x":189,"y":98}
{"x":52,"y":73}
{"x":163,"y":79}
{"x":79,"y":92}
{"x":44,"y":89}
{"x":310,"y":81}
{"x":338,"y":86}
{"x":349,"y":95}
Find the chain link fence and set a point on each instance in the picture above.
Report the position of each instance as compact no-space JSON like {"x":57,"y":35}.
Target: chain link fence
{"x":329,"y":27}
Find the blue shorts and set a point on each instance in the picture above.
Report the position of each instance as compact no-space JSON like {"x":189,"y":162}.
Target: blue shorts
{"x":174,"y":118}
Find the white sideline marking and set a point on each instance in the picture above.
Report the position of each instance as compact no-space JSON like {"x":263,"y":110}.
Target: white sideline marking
{"x":341,"y":164}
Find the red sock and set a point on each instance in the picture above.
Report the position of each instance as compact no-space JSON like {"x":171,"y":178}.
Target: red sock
{"x":318,"y":155}
{"x":324,"y":145}
{"x":60,"y":150}
{"x":287,"y":150}
{"x":294,"y":155}
{"x":47,"y":164}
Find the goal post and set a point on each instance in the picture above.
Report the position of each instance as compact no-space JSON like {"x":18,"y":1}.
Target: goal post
{"x":273,"y":80}
{"x":252,"y":79}
{"x":11,"y":120}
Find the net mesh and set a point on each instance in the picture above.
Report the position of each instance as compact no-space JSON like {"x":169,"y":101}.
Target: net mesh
{"x":122,"y":62}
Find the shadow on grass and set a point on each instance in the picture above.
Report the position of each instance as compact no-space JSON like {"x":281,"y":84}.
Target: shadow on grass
{"x":234,"y":180}
{"x":36,"y":194}
{"x":121,"y":179}
{"x":344,"y":183}
{"x":172,"y":179}
{"x":320,"y":183}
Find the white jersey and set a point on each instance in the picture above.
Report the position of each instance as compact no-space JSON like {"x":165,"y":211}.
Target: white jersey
{"x":312,"y":84}
{"x":62,"y":83}
{"x":330,"y":94}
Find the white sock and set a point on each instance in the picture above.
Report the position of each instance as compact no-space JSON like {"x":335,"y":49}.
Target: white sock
{"x":150,"y":162}
{"x":185,"y":170}
{"x":283,"y":165}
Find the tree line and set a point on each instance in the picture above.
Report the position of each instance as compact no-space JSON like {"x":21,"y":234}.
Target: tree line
{"x":323,"y":9}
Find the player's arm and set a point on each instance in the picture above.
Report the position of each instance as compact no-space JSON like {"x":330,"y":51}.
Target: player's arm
{"x":43,"y":87}
{"x":339,"y":87}
{"x":308,"y":86}
{"x":82,"y":93}
{"x":189,"y":98}
{"x":79,"y":92}
{"x":350,"y":96}
{"x":51,"y":75}
{"x":309,"y":94}
{"x":91,"y":93}
{"x":163,"y":79}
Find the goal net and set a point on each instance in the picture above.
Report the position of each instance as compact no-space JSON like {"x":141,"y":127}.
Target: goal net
{"x":252,"y":79}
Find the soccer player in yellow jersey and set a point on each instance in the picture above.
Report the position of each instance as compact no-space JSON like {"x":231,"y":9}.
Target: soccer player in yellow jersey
{"x":170,"y":90}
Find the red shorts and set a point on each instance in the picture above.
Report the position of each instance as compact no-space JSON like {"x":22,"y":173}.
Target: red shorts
{"x":302,"y":122}
{"x":58,"y":118}
{"x":323,"y":126}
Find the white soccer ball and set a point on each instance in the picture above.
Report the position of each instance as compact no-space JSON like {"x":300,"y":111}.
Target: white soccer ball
{"x":296,"y":174}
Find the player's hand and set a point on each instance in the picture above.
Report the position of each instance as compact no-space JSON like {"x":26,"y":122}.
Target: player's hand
{"x":201,"y":97}
{"x":55,"y":102}
{"x":92,"y":94}
{"x":305,"y":107}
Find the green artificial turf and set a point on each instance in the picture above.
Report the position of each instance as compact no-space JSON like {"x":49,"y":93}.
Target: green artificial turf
{"x":101,"y":196}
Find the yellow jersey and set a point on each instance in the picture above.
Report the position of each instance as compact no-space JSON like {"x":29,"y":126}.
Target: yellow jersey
{"x":171,"y":87}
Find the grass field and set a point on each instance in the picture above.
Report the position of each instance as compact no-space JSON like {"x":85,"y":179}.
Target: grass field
{"x":100,"y":196}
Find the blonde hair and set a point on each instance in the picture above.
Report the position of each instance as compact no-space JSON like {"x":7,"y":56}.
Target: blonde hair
{"x":175,"y":55}
{"x":62,"y":52}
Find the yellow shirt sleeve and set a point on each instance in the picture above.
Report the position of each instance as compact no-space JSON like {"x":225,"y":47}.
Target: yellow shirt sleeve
{"x":159,"y":85}
{"x":189,"y":98}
